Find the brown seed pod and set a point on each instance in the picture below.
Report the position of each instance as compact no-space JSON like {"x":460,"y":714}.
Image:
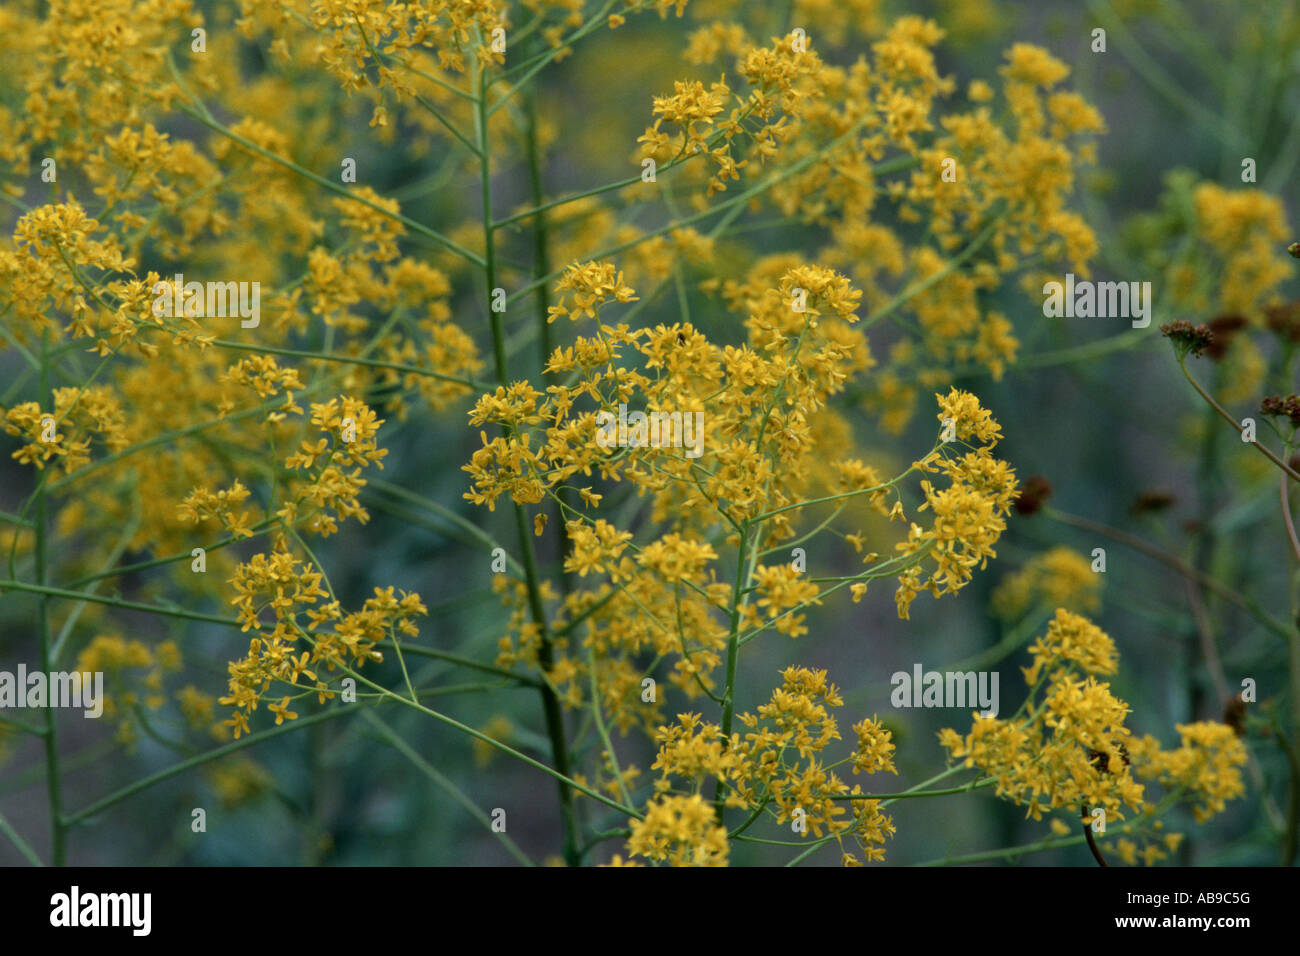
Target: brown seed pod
{"x":1033,"y":495}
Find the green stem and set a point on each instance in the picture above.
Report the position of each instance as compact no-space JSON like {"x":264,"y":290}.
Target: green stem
{"x":23,"y":846}
{"x":417,"y":651}
{"x":951,"y":265}
{"x":1010,"y":852}
{"x":22,"y":726}
{"x":58,"y":835}
{"x":348,"y":360}
{"x":541,"y":266}
{"x":1169,"y":560}
{"x":1146,"y":67}
{"x":397,"y":491}
{"x":600,"y":727}
{"x":405,"y":749}
{"x":550,"y":702}
{"x":909,"y":794}
{"x":733,"y":652}
{"x":1223,"y":413}
{"x":48,"y":592}
{"x":103,"y":804}
{"x":333,"y":187}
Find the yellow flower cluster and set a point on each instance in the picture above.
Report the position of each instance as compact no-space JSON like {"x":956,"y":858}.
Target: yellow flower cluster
{"x":1069,"y":747}
{"x":1205,"y":765}
{"x":134,"y":674}
{"x":291,"y":591}
{"x":741,"y":458}
{"x":736,"y":452}
{"x":201,"y":505}
{"x":1059,"y":577}
{"x":79,"y":416}
{"x":680,"y":831}
{"x":351,"y":36}
{"x":969,"y":515}
{"x":591,"y":284}
{"x":1071,"y":640}
{"x":980,"y":179}
{"x":331,"y":489}
{"x":1238,"y":236}
{"x":1246,"y":230}
{"x":775,"y":768}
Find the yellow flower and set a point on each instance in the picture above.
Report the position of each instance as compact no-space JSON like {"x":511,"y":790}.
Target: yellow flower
{"x":681,"y":831}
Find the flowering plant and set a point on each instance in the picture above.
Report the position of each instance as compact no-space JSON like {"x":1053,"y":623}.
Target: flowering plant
{"x":810,"y":265}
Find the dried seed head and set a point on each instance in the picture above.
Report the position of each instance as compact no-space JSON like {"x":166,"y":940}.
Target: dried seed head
{"x":1276,"y":405}
{"x":1033,"y":495}
{"x":1153,"y":499}
{"x":1234,"y":715}
{"x":1223,"y":328}
{"x":1284,"y":319}
{"x":1187,"y":337}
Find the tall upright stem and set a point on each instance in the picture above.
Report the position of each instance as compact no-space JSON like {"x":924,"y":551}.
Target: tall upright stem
{"x":550,"y":703}
{"x":54,"y":785}
{"x":541,"y":269}
{"x":733,"y":651}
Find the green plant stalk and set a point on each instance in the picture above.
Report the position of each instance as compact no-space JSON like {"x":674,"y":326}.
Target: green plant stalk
{"x":542,"y":266}
{"x":407,"y":751}
{"x":385,"y":693}
{"x":1051,"y":842}
{"x":48,"y":592}
{"x":550,"y":702}
{"x":1290,"y":839}
{"x":978,"y":784}
{"x":1223,"y":413}
{"x":737,"y":202}
{"x":1171,"y":561}
{"x":145,"y":783}
{"x":331,"y":186}
{"x":54,"y":786}
{"x":22,"y":726}
{"x":733,"y":652}
{"x":740,"y":588}
{"x":346,"y":360}
{"x":1288,"y":743}
{"x":1207,"y":487}
{"x":113,"y":571}
{"x":600,"y":727}
{"x":23,"y":846}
